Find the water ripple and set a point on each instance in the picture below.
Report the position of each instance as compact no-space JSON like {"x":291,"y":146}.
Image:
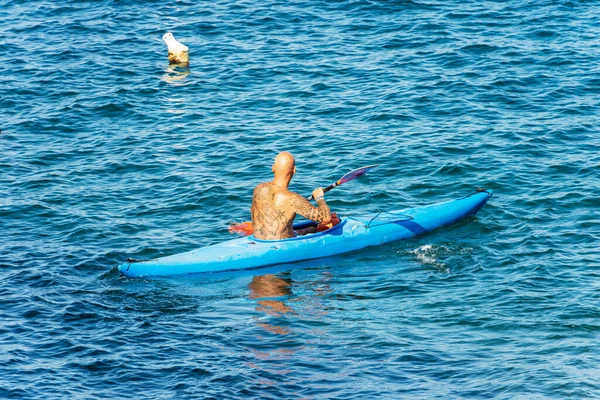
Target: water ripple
{"x":111,"y":153}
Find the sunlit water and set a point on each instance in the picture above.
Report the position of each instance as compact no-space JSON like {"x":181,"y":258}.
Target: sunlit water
{"x":109,"y":153}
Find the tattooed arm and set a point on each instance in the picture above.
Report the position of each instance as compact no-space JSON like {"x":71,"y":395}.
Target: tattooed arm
{"x":303,"y":207}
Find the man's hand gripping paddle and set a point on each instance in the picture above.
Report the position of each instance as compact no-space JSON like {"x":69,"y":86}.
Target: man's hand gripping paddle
{"x":245,"y":228}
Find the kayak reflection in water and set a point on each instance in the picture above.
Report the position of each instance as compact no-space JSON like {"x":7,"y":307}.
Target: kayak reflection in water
{"x":274,"y":207}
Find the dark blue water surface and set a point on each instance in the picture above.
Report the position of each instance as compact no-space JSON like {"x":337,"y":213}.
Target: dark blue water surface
{"x":107,"y":152}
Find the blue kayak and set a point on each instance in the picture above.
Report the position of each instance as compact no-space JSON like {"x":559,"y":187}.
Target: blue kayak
{"x":352,"y":233}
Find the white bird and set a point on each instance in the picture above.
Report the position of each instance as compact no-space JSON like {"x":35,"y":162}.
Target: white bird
{"x":178,"y":52}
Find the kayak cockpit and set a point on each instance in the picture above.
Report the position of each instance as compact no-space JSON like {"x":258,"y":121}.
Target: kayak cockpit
{"x":336,"y":231}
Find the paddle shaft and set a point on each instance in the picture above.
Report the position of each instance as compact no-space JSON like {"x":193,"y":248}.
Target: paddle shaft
{"x":327,"y":189}
{"x":355,"y":173}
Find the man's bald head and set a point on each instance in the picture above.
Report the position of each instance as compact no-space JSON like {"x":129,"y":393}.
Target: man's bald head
{"x":284,"y":166}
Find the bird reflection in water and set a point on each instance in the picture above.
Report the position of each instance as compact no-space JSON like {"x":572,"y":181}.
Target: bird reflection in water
{"x":175,"y":73}
{"x":266,"y":289}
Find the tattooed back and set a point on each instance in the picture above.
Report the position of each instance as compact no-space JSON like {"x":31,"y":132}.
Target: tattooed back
{"x":275,"y":207}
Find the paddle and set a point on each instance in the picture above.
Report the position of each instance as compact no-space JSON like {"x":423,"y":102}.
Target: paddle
{"x":350,"y":176}
{"x":245,"y":228}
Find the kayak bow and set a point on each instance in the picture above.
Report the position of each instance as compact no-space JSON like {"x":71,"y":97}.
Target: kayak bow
{"x":352,"y":233}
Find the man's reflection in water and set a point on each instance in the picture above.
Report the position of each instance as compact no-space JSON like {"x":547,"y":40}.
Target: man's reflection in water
{"x":266,"y":288}
{"x":270,"y":293}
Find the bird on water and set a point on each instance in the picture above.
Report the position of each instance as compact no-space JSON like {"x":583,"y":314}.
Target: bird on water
{"x":178,"y":52}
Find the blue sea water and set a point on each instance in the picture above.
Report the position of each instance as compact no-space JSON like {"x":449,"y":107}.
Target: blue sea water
{"x":107,"y":152}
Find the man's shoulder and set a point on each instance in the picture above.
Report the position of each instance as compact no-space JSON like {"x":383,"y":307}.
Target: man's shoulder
{"x":268,"y":188}
{"x":262,"y":186}
{"x":289,"y":195}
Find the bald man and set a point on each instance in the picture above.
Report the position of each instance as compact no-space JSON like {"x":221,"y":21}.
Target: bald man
{"x":274,"y":207}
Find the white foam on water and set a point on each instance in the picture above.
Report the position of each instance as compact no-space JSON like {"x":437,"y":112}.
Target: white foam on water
{"x":429,"y":254}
